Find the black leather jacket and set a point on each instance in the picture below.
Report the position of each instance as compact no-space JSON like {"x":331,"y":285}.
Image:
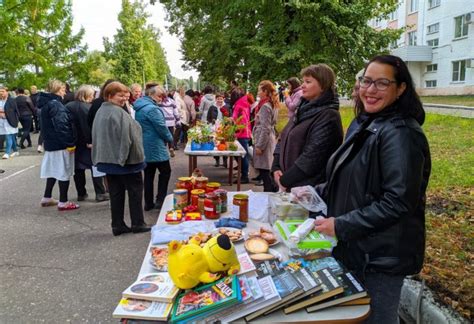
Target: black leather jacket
{"x":376,"y":192}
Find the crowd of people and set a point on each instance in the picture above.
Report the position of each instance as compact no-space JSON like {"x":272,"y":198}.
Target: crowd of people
{"x":373,"y":181}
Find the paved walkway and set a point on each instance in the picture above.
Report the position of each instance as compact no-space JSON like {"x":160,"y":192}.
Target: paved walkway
{"x":59,"y":267}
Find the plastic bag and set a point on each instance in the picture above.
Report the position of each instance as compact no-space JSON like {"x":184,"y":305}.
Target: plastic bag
{"x":307,"y":197}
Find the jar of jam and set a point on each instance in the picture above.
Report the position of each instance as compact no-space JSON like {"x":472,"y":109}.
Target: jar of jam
{"x":210,"y":206}
{"x":200,"y":183}
{"x":212,"y":186}
{"x":195,"y":196}
{"x":185,"y":183}
{"x":240,"y":207}
{"x":222,"y":194}
{"x":201,"y":199}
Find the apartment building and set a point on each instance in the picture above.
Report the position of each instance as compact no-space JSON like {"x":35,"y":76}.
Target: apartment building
{"x":437,"y":45}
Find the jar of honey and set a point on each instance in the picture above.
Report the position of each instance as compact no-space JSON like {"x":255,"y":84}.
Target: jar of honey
{"x":240,"y":207}
{"x":185,"y":183}
{"x":200,"y":183}
{"x":195,"y":196}
{"x":210,"y":206}
{"x":212,"y":186}
{"x":201,"y":199}
{"x":222,"y":194}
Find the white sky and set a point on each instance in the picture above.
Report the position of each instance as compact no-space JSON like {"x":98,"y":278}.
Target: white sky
{"x":100,"y":19}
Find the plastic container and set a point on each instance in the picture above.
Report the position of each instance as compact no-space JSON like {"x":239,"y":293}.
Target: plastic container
{"x":180,"y":198}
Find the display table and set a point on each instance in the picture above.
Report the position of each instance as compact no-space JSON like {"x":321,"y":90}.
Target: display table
{"x":239,"y":154}
{"x":336,"y":314}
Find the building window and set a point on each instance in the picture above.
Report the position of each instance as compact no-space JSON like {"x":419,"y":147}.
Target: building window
{"x":459,"y":70}
{"x":414,"y":5}
{"x":431,"y":83}
{"x":433,"y":3}
{"x":433,"y":42}
{"x":412,"y":38}
{"x":394,"y":44}
{"x":433,"y":28}
{"x":460,"y":26}
{"x":393,"y":15}
{"x":432,"y":68}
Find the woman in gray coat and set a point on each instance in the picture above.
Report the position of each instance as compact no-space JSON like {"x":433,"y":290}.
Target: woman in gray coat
{"x":264,"y":136}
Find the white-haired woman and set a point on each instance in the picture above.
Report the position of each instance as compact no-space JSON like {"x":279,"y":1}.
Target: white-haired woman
{"x":79,"y":109}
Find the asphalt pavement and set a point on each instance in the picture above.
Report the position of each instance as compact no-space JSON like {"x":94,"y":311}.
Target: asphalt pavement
{"x":60,"y":267}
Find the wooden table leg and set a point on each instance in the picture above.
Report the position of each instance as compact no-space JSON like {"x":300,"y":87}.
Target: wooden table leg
{"x":190,"y":164}
{"x":239,"y":172}
{"x":230,"y":163}
{"x":195,"y":162}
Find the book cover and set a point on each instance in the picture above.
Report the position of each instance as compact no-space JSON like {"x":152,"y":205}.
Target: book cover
{"x":142,"y":309}
{"x":269,"y":268}
{"x":353,"y":289}
{"x":246,"y":264}
{"x":327,"y":262}
{"x":270,"y":295}
{"x":205,"y":300}
{"x":330,"y":287}
{"x":359,"y":301}
{"x":153,"y":287}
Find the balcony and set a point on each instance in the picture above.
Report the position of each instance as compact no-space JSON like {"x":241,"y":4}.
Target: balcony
{"x":414,"y":53}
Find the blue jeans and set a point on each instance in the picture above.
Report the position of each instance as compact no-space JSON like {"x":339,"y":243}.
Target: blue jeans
{"x":384,"y":291}
{"x":245,"y":160}
{"x":11,"y":143}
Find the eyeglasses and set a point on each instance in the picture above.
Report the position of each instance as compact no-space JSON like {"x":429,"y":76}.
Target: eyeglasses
{"x":380,"y":84}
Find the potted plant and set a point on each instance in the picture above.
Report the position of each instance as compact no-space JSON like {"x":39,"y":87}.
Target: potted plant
{"x":201,"y":137}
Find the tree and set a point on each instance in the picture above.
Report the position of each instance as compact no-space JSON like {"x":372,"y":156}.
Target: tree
{"x":274,"y":39}
{"x":95,"y":70}
{"x":37,"y":42}
{"x":138,"y":54}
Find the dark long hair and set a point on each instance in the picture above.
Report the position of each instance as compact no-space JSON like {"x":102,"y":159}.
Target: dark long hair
{"x":409,"y":103}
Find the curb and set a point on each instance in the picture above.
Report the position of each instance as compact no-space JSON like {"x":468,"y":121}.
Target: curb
{"x":416,"y":308}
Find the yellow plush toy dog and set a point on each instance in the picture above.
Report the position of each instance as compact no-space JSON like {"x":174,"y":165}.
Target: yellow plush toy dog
{"x":188,"y":266}
{"x":220,"y":255}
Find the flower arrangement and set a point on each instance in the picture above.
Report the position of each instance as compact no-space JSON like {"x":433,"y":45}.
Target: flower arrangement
{"x":226,"y":129}
{"x":201,"y":133}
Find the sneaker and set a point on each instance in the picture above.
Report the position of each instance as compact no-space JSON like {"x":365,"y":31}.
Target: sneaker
{"x":102,"y":197}
{"x":172,"y":152}
{"x":15,"y":154}
{"x":5,"y":156}
{"x":259,"y":183}
{"x":82,"y":198}
{"x":40,"y":149}
{"x":48,"y":202}
{"x":69,"y":205}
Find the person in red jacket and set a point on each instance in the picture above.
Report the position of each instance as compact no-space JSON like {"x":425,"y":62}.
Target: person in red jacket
{"x":241,"y":115}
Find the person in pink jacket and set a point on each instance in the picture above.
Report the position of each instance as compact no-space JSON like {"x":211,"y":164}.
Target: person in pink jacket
{"x":293,"y":96}
{"x":242,"y":111}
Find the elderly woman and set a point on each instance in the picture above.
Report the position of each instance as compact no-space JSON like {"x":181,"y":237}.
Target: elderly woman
{"x":293,"y":96}
{"x":8,"y":122}
{"x":266,"y":115}
{"x":376,"y":187}
{"x":59,"y":145}
{"x":309,"y":139}
{"x":79,"y":109}
{"x":117,"y":150}
{"x":156,"y":136}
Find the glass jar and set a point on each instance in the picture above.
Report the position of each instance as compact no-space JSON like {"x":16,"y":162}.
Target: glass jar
{"x":195,"y":196}
{"x":210,"y":206}
{"x":201,"y":199}
{"x":222,"y":194}
{"x":200,"y":183}
{"x":185,"y":183}
{"x":180,"y":198}
{"x":212,"y":186}
{"x":240,"y":207}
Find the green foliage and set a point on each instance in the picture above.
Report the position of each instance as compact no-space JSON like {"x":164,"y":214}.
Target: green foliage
{"x":274,"y":39}
{"x":95,"y":70}
{"x":37,"y":43}
{"x":136,"y":50}
{"x":450,"y":100}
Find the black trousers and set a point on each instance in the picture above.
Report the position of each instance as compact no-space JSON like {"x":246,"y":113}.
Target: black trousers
{"x":133,"y":184}
{"x":163,"y":179}
{"x":26,"y":122}
{"x":267,"y":180}
{"x":63,"y":189}
{"x":80,"y":182}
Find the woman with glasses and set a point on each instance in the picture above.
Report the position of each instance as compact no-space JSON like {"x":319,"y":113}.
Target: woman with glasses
{"x":376,"y":186}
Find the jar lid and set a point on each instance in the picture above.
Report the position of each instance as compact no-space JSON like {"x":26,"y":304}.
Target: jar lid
{"x":202,"y":179}
{"x":197,"y":191}
{"x":180,"y":191}
{"x":220,"y":191}
{"x":211,"y":195}
{"x":241,"y":196}
{"x":213,"y":184}
{"x":184,"y":179}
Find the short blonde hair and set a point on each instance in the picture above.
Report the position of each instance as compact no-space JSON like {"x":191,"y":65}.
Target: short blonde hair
{"x":55,"y":85}
{"x":85,"y":91}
